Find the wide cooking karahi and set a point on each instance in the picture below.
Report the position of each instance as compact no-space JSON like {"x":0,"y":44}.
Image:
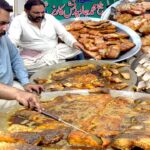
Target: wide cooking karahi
{"x":100,"y":39}
{"x":87,"y":76}
{"x":120,"y":122}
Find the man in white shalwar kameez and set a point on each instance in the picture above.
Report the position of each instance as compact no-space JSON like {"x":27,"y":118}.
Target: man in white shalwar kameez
{"x":36,"y":33}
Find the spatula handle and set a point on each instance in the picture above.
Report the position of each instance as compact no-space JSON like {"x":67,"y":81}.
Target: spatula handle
{"x":50,"y":115}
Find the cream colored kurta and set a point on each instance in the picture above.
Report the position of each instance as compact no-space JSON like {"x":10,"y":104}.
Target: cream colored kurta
{"x":44,"y":40}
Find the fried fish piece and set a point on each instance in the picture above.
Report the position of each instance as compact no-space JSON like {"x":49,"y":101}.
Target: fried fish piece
{"x":81,"y":139}
{"x":113,"y":51}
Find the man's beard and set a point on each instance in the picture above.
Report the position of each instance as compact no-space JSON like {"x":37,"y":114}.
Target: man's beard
{"x":35,"y":19}
{"x":2,"y":33}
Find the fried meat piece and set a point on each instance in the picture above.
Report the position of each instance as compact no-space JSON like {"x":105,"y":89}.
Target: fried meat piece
{"x":115,"y":36}
{"x":21,"y":137}
{"x":122,"y":143}
{"x":95,"y":23}
{"x":145,"y":28}
{"x":113,"y":51}
{"x":146,"y":40}
{"x":131,"y":8}
{"x":119,"y":86}
{"x":126,"y":45}
{"x":75,"y":25}
{"x":84,"y":30}
{"x":125,"y":75}
{"x":51,"y":136}
{"x":123,"y":18}
{"x":135,"y":23}
{"x":82,"y":139}
{"x":54,"y":86}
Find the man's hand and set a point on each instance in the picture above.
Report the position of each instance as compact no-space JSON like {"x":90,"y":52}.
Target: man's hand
{"x":33,"y":88}
{"x":77,"y":45}
{"x":27,"y":99}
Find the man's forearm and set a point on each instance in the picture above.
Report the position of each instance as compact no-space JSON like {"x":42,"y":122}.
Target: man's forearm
{"x":7,"y":92}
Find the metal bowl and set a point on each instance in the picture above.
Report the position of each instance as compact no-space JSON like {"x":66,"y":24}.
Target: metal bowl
{"x":45,"y":72}
{"x":132,"y":34}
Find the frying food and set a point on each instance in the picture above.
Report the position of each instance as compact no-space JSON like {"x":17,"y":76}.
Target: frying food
{"x":93,"y":35}
{"x":121,"y":123}
{"x":88,"y":76}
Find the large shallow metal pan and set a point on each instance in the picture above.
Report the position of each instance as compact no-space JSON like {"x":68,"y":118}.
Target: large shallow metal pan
{"x":45,"y":72}
{"x":46,"y":96}
{"x":133,"y":36}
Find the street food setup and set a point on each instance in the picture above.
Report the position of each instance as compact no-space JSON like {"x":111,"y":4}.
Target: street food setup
{"x":92,"y":104}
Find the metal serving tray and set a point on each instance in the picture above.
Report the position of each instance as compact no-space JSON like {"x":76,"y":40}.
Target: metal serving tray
{"x":45,"y":72}
{"x":133,"y":36}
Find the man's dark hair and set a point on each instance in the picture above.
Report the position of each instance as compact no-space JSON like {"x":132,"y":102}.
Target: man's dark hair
{"x":5,"y":5}
{"x":28,"y":5}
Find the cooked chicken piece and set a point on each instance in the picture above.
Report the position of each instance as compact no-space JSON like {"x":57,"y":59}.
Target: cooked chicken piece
{"x":114,"y":79}
{"x":135,"y":23}
{"x":19,"y":128}
{"x":105,"y":31}
{"x":84,"y":30}
{"x":120,"y":86}
{"x":74,"y":26}
{"x":84,"y":36}
{"x":100,"y":43}
{"x":114,"y":71}
{"x":125,"y":75}
{"x":122,"y":143}
{"x":145,"y":28}
{"x":95,"y":32}
{"x":95,"y":55}
{"x":95,"y":23}
{"x":143,"y":143}
{"x":123,"y":18}
{"x":118,"y":65}
{"x":106,"y":73}
{"x":117,"y":35}
{"x":126,"y":45}
{"x":113,"y":51}
{"x":82,"y":139}
{"x":21,"y":137}
{"x":131,"y":8}
{"x":146,"y":40}
{"x":51,"y":136}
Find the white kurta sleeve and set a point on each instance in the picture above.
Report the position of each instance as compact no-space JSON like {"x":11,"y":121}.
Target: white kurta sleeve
{"x":15,"y":31}
{"x":62,"y":32}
